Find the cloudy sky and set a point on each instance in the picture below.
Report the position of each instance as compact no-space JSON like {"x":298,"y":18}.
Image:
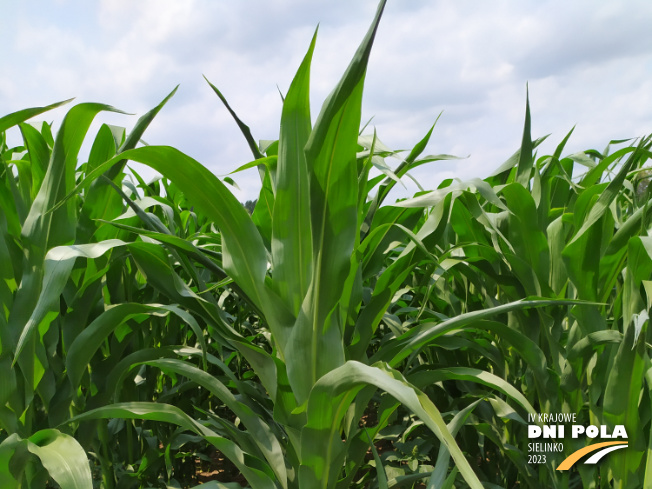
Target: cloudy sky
{"x":587,"y":63}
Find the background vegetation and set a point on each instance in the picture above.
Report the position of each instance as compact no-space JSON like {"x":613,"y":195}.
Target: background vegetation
{"x":158,"y":335}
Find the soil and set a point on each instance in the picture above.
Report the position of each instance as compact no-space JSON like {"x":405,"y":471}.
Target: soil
{"x":218,"y":469}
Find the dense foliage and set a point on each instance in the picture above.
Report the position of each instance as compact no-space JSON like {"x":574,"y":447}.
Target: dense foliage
{"x":159,"y":334}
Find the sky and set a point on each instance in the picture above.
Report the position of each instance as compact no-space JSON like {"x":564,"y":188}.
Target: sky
{"x":587,"y":64}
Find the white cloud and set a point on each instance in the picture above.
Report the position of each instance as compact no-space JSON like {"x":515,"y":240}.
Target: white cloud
{"x":587,"y":64}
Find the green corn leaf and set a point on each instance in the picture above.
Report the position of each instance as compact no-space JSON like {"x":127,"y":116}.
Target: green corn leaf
{"x":7,"y":450}
{"x":292,"y":232}
{"x":403,"y":168}
{"x":22,"y":115}
{"x":611,"y":191}
{"x":58,"y":265}
{"x":332,"y":165}
{"x":39,"y":155}
{"x":249,"y":466}
{"x":500,"y":174}
{"x":621,"y":405}
{"x":582,"y":254}
{"x":438,"y":477}
{"x":270,"y":162}
{"x":429,"y":377}
{"x":101,"y":202}
{"x":329,"y":399}
{"x":434,"y":197}
{"x":104,"y":148}
{"x":246,"y":132}
{"x":594,"y":176}
{"x":402,"y":347}
{"x":381,"y":475}
{"x":10,"y":218}
{"x":588,"y":344}
{"x":525,"y":159}
{"x":262,"y":215}
{"x":245,"y":257}
{"x":43,"y":229}
{"x":648,"y":463}
{"x":8,"y":384}
{"x":134,"y":137}
{"x":89,"y":340}
{"x":525,"y":235}
{"x":339,"y":96}
{"x":263,"y":436}
{"x":63,"y":457}
{"x":116,"y":377}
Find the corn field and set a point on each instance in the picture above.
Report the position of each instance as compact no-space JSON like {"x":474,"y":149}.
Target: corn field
{"x":160,"y":335}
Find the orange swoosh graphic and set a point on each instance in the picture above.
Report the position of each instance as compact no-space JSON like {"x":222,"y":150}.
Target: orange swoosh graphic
{"x":575,"y":456}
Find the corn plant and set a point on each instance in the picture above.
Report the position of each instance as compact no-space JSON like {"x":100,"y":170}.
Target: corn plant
{"x":37,"y":394}
{"x":555,"y":235}
{"x":300,"y":263}
{"x":328,"y":339}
